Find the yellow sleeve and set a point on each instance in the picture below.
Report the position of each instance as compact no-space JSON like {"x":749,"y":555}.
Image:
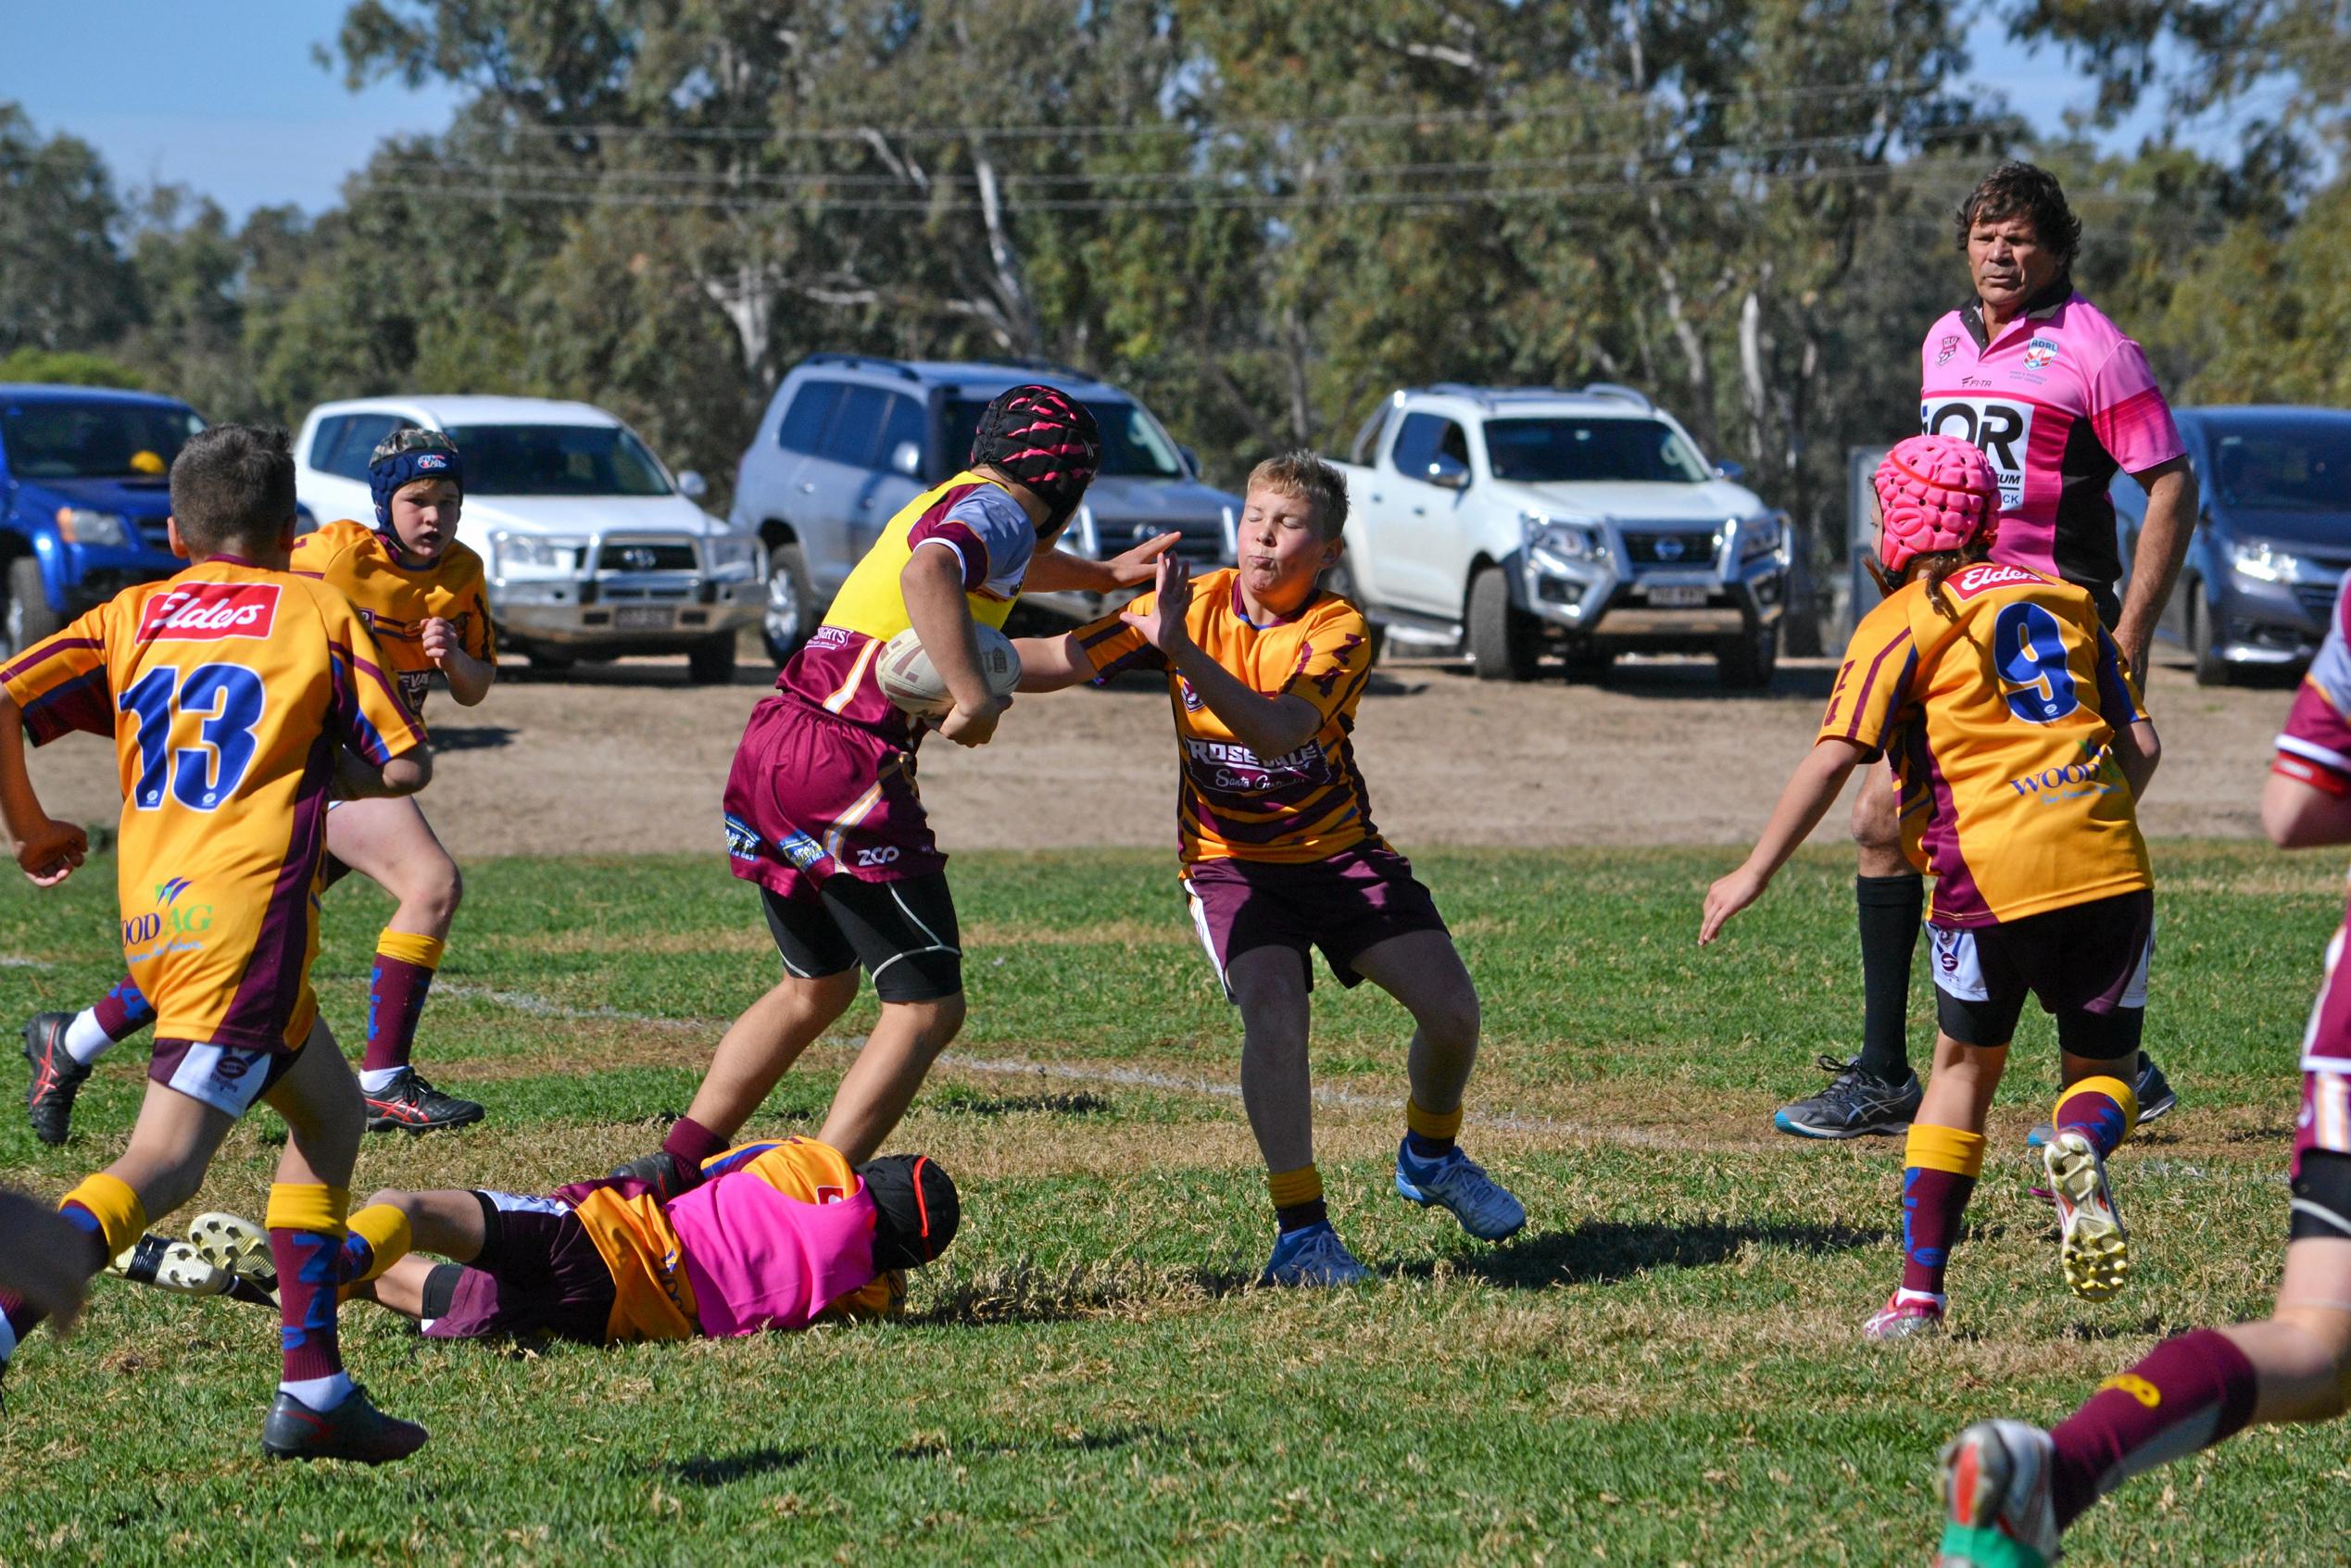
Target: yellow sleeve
{"x":1334,"y":662}
{"x":1114,"y":647}
{"x":1874,"y":680}
{"x":60,"y":682}
{"x":475,"y":632}
{"x":368,"y":713}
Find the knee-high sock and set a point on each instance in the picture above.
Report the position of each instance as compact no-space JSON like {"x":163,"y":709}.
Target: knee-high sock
{"x":403,"y":966}
{"x":1940,"y":1166}
{"x":306,"y":1242}
{"x":1891,"y":909}
{"x":109,"y":1213}
{"x":2102,"y":1110}
{"x":378,"y":1237}
{"x":2189,"y":1394}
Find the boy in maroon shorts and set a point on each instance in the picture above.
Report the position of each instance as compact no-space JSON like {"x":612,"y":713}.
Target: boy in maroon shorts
{"x":820,"y":807}
{"x":1280,"y":857}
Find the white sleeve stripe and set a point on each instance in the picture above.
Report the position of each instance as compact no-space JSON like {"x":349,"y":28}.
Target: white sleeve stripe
{"x":2315,"y":752}
{"x":961,"y":561}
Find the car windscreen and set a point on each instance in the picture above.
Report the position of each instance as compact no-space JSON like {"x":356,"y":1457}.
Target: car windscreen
{"x":1132,"y":441}
{"x":2290,"y":465}
{"x":1572,"y":450}
{"x":555,"y":460}
{"x":89,"y":440}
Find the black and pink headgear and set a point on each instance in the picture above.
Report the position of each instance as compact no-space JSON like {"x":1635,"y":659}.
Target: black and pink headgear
{"x":1044,"y":438}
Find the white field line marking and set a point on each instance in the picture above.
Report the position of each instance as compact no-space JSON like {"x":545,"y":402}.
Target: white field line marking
{"x":1138,"y":1078}
{"x":11,"y":960}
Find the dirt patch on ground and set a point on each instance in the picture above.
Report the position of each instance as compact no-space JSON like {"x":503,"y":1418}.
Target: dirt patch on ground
{"x":629,"y":759}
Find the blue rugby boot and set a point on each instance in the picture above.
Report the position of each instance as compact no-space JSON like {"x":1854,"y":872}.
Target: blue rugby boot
{"x":1484,"y":1205}
{"x":1312,"y":1255}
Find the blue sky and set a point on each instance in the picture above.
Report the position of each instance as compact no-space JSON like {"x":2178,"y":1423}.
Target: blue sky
{"x":223,"y":96}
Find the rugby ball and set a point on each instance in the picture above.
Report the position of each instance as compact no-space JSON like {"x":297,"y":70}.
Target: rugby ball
{"x":910,"y":680}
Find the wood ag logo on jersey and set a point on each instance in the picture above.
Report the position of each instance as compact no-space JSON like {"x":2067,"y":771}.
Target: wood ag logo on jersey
{"x":2000,"y":428}
{"x":208,"y":613}
{"x":183,"y":922}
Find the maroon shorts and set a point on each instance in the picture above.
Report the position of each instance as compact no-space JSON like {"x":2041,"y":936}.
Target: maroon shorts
{"x":2086,"y":963}
{"x":541,"y":1274}
{"x":811,"y":795}
{"x":1356,"y":900}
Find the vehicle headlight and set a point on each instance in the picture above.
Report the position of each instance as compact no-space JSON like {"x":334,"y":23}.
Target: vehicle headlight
{"x":732,"y":555}
{"x":2265,"y":563}
{"x":1084,"y":536}
{"x":537,"y":552}
{"x":1232,"y":535}
{"x":80,"y":525}
{"x":1760,"y":536}
{"x":1558,"y":547}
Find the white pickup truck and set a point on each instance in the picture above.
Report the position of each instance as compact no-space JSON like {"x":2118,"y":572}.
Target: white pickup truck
{"x":592,"y":549}
{"x":1499,"y":522}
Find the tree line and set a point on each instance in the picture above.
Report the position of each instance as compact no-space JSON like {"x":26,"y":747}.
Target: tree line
{"x":1259,"y":215}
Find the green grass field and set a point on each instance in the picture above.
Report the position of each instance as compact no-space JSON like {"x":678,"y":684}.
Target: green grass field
{"x":1664,"y":1368}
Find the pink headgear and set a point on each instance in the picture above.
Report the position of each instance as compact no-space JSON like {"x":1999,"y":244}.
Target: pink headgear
{"x":1934,"y":492}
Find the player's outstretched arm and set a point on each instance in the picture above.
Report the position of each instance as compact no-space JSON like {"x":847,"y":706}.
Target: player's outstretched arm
{"x":1812,"y":789}
{"x":1052,"y":664}
{"x":468,"y":677}
{"x":1271,"y":725}
{"x":1057,"y":571}
{"x":2298,"y":814}
{"x":46,"y":848}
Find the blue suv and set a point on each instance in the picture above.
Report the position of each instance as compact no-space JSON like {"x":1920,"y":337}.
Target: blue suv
{"x":2273,"y":541}
{"x":849,"y":439}
{"x":84,"y":490}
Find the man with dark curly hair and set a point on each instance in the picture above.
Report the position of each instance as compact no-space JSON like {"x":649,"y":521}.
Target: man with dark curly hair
{"x":2057,"y":399}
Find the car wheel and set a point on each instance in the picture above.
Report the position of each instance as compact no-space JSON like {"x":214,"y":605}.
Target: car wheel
{"x":28,"y":618}
{"x":711,"y":662}
{"x":1339,"y":580}
{"x":791,"y":603}
{"x":1500,"y":637}
{"x":1747,"y":662}
{"x":2211,"y":668}
{"x":552,"y":660}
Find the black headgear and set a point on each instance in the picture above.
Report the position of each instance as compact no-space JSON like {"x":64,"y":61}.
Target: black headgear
{"x":1044,"y":438}
{"x":918,"y":1206}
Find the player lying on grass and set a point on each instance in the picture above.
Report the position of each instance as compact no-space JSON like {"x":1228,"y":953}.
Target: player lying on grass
{"x":774,"y":1236}
{"x":419,"y":593}
{"x":2021,"y":753}
{"x":2010,"y":1490}
{"x":238,"y":695}
{"x":1279,"y":855}
{"x":821,"y":807}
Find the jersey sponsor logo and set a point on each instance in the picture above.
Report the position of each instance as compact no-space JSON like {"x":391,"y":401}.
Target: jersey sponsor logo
{"x":2072,"y":782}
{"x":1984,"y":579}
{"x":1944,"y":350}
{"x":207,"y":612}
{"x":2040,"y":354}
{"x":2000,"y":428}
{"x":414,"y":684}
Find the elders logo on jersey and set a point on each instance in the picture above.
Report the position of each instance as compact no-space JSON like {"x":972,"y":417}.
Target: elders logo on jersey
{"x":208,"y":613}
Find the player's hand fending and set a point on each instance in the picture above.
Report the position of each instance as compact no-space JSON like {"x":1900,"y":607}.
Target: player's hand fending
{"x":1162,"y":625}
{"x":974,"y":726}
{"x":1131,"y":568}
{"x":1726,"y":898}
{"x":50,"y":852}
{"x":439,"y":639}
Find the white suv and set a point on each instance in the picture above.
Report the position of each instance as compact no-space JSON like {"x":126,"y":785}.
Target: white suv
{"x":1499,"y":520}
{"x":591,"y":550}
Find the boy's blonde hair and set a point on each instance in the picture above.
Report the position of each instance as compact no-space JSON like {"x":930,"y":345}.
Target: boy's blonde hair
{"x":1303,"y":476}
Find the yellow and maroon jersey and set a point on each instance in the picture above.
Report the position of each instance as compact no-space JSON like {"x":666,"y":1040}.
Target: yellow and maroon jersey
{"x":1232,"y":802}
{"x":230,"y":689}
{"x":993,"y":541}
{"x":2001,"y":720}
{"x":396,"y":600}
{"x":653,"y":1297}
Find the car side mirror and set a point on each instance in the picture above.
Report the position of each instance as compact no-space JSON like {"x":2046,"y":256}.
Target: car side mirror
{"x":692,"y":485}
{"x":1447,"y":473}
{"x":1731,"y":471}
{"x":906,"y":458}
{"x":1191,"y":459}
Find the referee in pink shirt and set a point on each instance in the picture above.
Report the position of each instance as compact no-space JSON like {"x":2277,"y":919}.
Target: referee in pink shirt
{"x":2057,"y":399}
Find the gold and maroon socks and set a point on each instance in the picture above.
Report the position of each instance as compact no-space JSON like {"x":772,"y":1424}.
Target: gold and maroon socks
{"x":1940,"y":1166}
{"x":123,"y":1011}
{"x":2189,"y":1394}
{"x":405,"y":963}
{"x":1297,"y":1198}
{"x":2102,"y":1110}
{"x":306,"y":1244}
{"x":688,"y":1145}
{"x":1428,"y":1134}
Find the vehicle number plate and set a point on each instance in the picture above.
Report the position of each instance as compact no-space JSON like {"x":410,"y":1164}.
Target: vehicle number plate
{"x":642,"y":618}
{"x":1678,"y":598}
